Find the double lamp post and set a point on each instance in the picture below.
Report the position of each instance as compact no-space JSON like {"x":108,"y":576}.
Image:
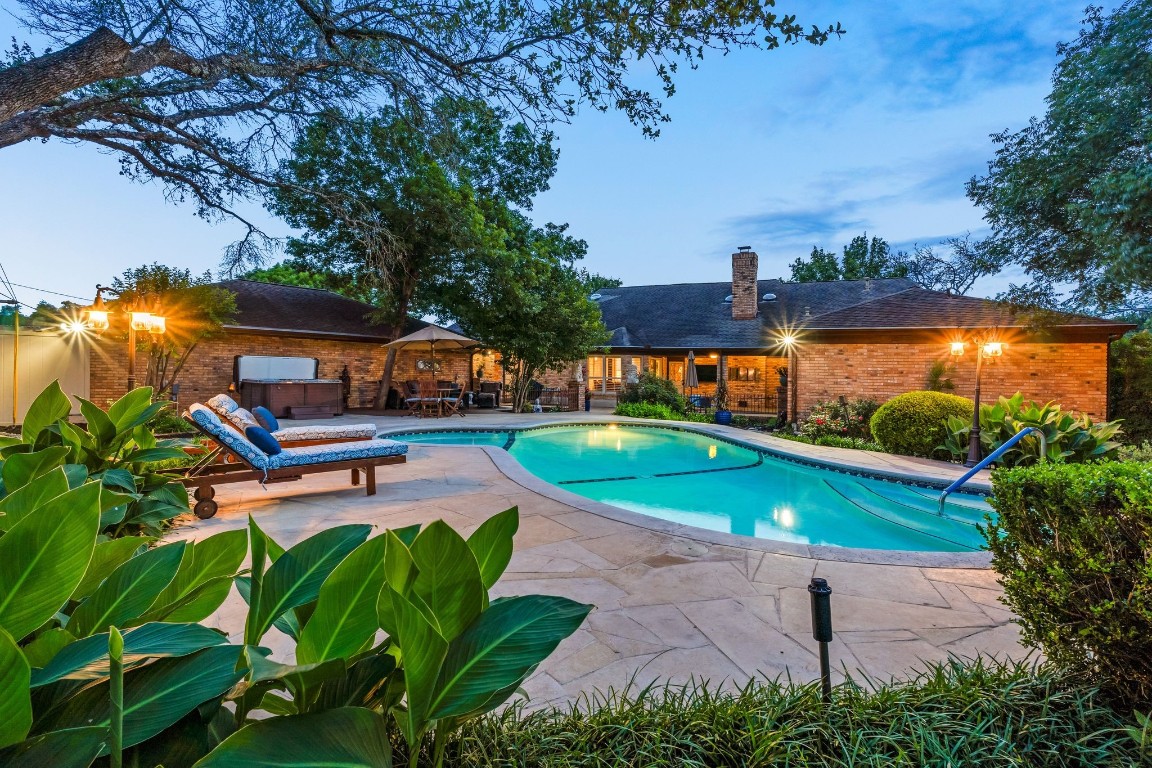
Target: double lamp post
{"x":984,"y":348}
{"x":96,"y":318}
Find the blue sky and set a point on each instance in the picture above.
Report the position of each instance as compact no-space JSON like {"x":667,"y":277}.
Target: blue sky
{"x":780,"y":150}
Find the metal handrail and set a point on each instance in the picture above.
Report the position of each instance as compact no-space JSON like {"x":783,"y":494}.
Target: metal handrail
{"x":991,"y":458}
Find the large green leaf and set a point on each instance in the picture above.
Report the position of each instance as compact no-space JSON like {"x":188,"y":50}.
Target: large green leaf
{"x":148,"y":455}
{"x":155,"y":696}
{"x":345,"y":615}
{"x":87,"y":659}
{"x":15,"y":701}
{"x":491,"y":543}
{"x":50,"y":406}
{"x":204,"y":578}
{"x":295,"y":577}
{"x":500,"y":649}
{"x":71,"y":748}
{"x":303,"y":680}
{"x":47,"y":644}
{"x":422,"y":651}
{"x":44,"y":556}
{"x":99,"y":425}
{"x":448,"y":578}
{"x":22,"y":468}
{"x":348,"y":737}
{"x":129,"y":591}
{"x":131,"y":409}
{"x":20,"y":502}
{"x":106,"y":558}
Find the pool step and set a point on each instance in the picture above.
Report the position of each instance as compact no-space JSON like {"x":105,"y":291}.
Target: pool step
{"x":952,"y":530}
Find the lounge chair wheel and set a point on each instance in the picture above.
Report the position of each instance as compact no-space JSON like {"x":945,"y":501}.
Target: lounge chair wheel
{"x":205,"y":508}
{"x":202,"y":493}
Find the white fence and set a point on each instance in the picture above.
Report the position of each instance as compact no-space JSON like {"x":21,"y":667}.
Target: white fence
{"x":44,"y":356}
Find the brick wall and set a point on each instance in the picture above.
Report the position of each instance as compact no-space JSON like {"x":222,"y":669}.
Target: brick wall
{"x":209,"y":371}
{"x":1074,"y":375}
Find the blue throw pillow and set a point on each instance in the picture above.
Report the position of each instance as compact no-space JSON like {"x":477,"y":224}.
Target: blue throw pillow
{"x":266,"y":419}
{"x":262,"y":439}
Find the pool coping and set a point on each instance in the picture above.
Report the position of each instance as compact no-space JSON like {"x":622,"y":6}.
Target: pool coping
{"x":515,"y":471}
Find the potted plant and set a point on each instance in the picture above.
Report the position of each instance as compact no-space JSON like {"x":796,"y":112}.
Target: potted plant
{"x":723,"y":415}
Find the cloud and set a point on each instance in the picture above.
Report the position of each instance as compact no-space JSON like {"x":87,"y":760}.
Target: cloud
{"x":797,"y":226}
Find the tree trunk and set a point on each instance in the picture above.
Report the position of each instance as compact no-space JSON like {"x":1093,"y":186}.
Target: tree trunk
{"x":385,"y":379}
{"x":406,"y":290}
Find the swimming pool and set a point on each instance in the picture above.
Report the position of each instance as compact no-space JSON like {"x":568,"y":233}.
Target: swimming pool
{"x":705,"y":481}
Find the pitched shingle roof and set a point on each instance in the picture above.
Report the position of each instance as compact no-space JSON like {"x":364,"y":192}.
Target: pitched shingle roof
{"x":696,"y":315}
{"x":289,"y":309}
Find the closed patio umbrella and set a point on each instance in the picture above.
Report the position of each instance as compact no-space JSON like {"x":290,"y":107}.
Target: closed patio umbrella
{"x":691,"y":379}
{"x":430,"y":337}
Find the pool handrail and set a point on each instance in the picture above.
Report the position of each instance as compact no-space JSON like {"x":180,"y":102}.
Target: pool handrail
{"x":991,"y":458}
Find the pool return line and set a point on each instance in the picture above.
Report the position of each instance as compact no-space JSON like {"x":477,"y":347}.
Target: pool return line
{"x":991,"y":458}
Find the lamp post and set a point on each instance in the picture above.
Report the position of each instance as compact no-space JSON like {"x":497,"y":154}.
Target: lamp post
{"x":984,"y":349}
{"x":96,"y":318}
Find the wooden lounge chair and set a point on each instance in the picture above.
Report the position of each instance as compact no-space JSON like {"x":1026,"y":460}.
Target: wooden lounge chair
{"x":290,"y":464}
{"x":291,"y":437}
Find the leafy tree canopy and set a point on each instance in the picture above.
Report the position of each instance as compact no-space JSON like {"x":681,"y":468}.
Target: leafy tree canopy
{"x":1069,"y":197}
{"x":205,"y":96}
{"x":298,"y":272}
{"x":862,"y":259}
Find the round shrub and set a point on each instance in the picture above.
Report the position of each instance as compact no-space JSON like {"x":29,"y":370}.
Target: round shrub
{"x":913,"y":424}
{"x":1071,"y":545}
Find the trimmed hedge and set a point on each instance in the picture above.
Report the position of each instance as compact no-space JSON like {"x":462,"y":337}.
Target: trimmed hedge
{"x":914,"y":423}
{"x":1073,"y":547}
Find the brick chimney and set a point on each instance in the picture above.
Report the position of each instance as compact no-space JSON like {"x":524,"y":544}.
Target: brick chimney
{"x":744,"y":265}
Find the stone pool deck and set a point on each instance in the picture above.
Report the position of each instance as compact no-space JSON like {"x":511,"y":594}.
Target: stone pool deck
{"x":670,"y":604}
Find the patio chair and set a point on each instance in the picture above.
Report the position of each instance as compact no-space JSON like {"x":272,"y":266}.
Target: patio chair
{"x":453,"y":402}
{"x":251,"y":463}
{"x":412,"y":397}
{"x":291,"y":437}
{"x":489,"y":394}
{"x":429,"y":398}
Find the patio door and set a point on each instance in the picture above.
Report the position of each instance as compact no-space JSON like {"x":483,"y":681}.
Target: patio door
{"x":606,"y":373}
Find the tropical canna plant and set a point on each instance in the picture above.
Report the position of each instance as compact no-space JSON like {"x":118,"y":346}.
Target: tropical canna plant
{"x":101,"y":650}
{"x":117,"y":448}
{"x":1071,"y":438}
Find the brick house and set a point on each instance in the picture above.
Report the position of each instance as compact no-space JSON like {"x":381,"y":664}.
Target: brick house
{"x":866,"y":338}
{"x":284,"y":320}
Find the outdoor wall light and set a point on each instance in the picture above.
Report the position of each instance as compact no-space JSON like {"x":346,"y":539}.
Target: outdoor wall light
{"x":73,"y":326}
{"x":787,"y":339}
{"x":958,"y":348}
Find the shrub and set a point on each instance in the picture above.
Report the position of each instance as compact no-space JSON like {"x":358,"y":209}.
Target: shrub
{"x":829,"y":417}
{"x":657,"y":411}
{"x":1130,"y":384}
{"x":1073,"y":547}
{"x":1142,"y":452}
{"x":1071,"y":438}
{"x":961,"y":714}
{"x":857,"y":443}
{"x":654,"y":390}
{"x":913,"y":424}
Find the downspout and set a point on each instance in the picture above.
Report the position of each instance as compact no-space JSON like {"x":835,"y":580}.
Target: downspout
{"x":793,"y":382}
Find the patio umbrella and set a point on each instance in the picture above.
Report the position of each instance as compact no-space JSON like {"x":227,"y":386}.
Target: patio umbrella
{"x":431,"y":336}
{"x":691,"y":380}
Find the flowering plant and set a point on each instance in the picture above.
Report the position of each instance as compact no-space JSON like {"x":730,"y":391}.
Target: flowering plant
{"x":830,"y":417}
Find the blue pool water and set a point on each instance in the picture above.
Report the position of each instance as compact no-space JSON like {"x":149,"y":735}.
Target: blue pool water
{"x":691,"y":478}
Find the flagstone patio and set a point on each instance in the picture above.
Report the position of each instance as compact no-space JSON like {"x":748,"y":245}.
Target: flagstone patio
{"x":669,"y":605}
